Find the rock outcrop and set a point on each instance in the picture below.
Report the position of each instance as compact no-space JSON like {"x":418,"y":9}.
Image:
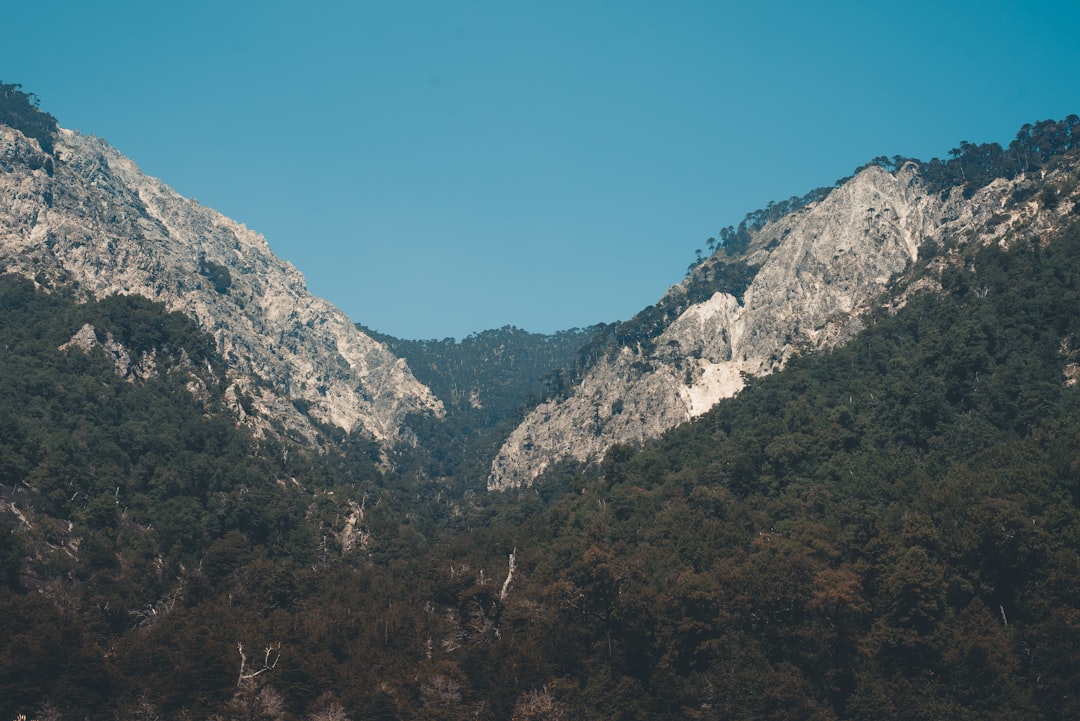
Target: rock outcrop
{"x":814,"y":274}
{"x":91,"y":218}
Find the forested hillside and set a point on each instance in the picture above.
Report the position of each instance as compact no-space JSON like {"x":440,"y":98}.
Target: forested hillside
{"x":20,"y":110}
{"x":886,"y":530}
{"x":797,"y":277}
{"x":890,"y":531}
{"x":485,"y":381}
{"x":128,"y":490}
{"x":494,"y":370}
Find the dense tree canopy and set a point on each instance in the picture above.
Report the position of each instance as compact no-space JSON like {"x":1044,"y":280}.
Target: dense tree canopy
{"x":486,"y":381}
{"x":890,"y":530}
{"x":20,"y":110}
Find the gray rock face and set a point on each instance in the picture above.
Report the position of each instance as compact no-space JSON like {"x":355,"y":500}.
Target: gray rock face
{"x":102,"y":223}
{"x":142,"y":368}
{"x":816,"y":272}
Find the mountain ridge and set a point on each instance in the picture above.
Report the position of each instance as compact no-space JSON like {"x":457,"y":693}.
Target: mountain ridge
{"x":795,"y":279}
{"x":884,"y":523}
{"x":97,"y":220}
{"x":817,"y":271}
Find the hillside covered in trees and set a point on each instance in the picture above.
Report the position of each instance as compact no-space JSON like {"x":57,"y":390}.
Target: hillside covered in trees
{"x":22,"y":111}
{"x":889,"y":530}
{"x":485,"y":380}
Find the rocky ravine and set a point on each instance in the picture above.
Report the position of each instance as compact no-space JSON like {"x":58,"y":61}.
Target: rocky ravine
{"x":815,"y":272}
{"x":102,"y":223}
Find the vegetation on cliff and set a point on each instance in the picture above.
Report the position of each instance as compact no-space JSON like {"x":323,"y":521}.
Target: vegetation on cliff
{"x":485,"y":380}
{"x":20,"y":110}
{"x":890,"y":530}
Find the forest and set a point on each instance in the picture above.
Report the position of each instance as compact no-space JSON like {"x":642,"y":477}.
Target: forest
{"x":20,"y":110}
{"x":888,"y":530}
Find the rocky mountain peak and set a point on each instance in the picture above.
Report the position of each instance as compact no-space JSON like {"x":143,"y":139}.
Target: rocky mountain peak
{"x":812,"y":275}
{"x":92,"y":218}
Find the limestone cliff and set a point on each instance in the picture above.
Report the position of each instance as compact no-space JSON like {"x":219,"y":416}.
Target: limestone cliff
{"x":92,"y":218}
{"x":812,"y":276}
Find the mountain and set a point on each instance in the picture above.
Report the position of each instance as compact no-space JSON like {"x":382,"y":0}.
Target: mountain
{"x":492,"y":372}
{"x":883,"y":522}
{"x":888,"y":529}
{"x":80,"y":214}
{"x":800,"y":282}
{"x":487,"y":381}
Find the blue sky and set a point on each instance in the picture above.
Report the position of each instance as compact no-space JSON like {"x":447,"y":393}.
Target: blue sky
{"x":439,"y":168}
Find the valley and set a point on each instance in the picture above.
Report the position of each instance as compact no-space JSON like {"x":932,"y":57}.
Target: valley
{"x":832,"y":473}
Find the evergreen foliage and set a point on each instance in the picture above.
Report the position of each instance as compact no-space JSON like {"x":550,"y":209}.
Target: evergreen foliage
{"x":970,"y":167}
{"x":20,"y":110}
{"x":890,"y":530}
{"x":973,"y":166}
{"x":486,"y":381}
{"x":734,"y":241}
{"x":216,"y":273}
{"x":869,"y":533}
{"x":121,"y":495}
{"x":494,"y":370}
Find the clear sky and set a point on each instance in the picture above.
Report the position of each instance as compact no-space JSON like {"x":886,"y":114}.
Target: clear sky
{"x":438,"y":168}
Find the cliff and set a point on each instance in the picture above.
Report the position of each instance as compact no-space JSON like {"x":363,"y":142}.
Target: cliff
{"x":89,"y":217}
{"x":814,"y":274}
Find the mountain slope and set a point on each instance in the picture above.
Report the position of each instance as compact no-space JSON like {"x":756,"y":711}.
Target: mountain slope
{"x":812,"y":275}
{"x":888,"y":530}
{"x":492,"y":371}
{"x":86,"y":215}
{"x":486,"y":381}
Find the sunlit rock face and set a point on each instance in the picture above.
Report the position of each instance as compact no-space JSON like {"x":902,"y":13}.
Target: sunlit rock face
{"x":814,"y":273}
{"x":99,"y":222}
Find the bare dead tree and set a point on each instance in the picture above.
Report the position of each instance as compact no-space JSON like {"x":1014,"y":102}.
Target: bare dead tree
{"x":331,"y":711}
{"x":150,"y":614}
{"x":253,"y":703}
{"x":539,"y":705}
{"x":441,"y":689}
{"x":481,"y":624}
{"x":512,"y":566}
{"x":268,"y":665}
